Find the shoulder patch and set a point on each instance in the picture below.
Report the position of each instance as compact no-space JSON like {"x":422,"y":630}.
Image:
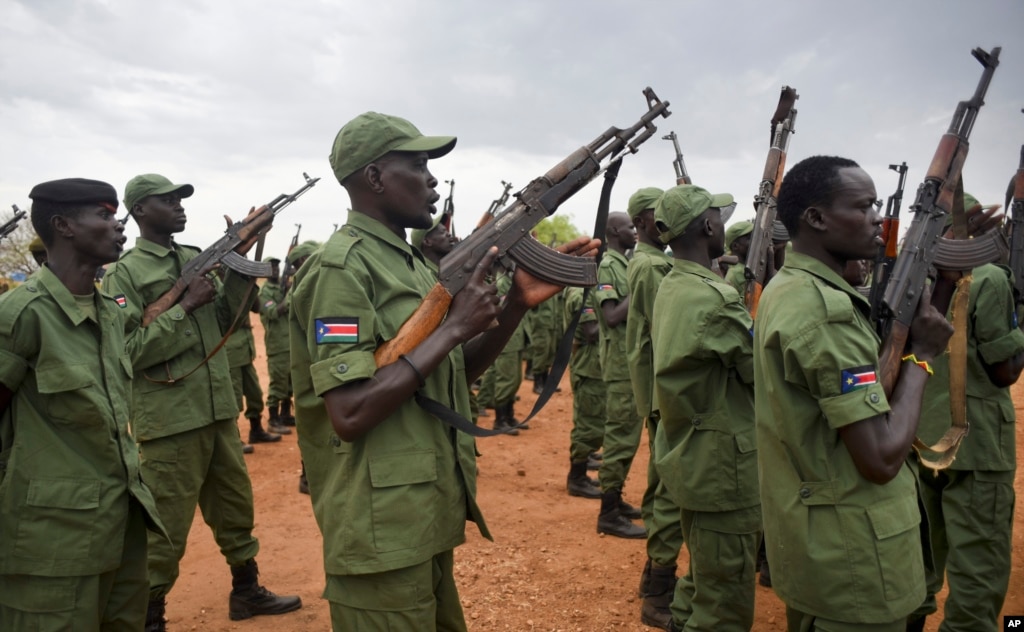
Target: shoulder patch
{"x":838,"y":306}
{"x":14,"y":302}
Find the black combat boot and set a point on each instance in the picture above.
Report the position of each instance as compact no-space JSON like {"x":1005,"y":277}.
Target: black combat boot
{"x":645,"y":579}
{"x":274,"y":423}
{"x":249,"y":599}
{"x":611,"y":521}
{"x":155,"y":621}
{"x":503,"y":418}
{"x":916,"y":624}
{"x":655,"y":610}
{"x":579,"y":484}
{"x":258,"y":435}
{"x":628,"y":510}
{"x":286,"y":413}
{"x":303,"y":482}
{"x":540,"y":379}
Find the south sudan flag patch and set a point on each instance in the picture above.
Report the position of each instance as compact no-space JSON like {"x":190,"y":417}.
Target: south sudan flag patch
{"x":857,"y":378}
{"x":122,"y":302}
{"x":335,"y":330}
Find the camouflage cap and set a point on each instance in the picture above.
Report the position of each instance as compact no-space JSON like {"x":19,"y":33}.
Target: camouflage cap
{"x":148,"y":184}
{"x":370,"y":135}
{"x":418,"y":235}
{"x":304,"y":249}
{"x":682,"y":204}
{"x":737,"y":230}
{"x":642,"y":200}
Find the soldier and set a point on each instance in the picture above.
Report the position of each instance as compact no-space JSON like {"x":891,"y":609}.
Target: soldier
{"x":623,"y":425}
{"x":38,"y":250}
{"x":588,"y":398}
{"x":186,"y":426}
{"x":274,"y":317}
{"x":703,"y":384}
{"x":241,"y":351}
{"x":737,"y":240}
{"x":543,"y":330}
{"x":840,"y":513}
{"x":434,"y":242}
{"x":645,"y":272}
{"x":970,"y":504}
{"x":365,"y":441}
{"x":73,"y":508}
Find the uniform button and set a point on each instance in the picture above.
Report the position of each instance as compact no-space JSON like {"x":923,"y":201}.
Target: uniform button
{"x":343,"y":368}
{"x":188,"y":332}
{"x":873,"y":398}
{"x":31,"y":288}
{"x":352,"y":232}
{"x":178,"y":315}
{"x":696,"y":421}
{"x":805,"y":493}
{"x":335,"y":441}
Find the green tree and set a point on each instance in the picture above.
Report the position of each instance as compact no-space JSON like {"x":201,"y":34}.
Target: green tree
{"x":556,"y":230}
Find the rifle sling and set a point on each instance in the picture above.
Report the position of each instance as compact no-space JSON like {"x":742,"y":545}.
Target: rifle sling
{"x":946,"y":447}
{"x":562,"y":354}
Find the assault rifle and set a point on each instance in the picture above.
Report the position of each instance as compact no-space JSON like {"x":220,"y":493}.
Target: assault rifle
{"x":239,"y":237}
{"x":448,"y":214}
{"x":510,"y":230}
{"x":11,"y":225}
{"x":921,"y":247}
{"x":886,"y":256}
{"x":756,"y":270}
{"x":496,"y":205}
{"x":1017,"y":230}
{"x":289,"y":269}
{"x":682,"y":177}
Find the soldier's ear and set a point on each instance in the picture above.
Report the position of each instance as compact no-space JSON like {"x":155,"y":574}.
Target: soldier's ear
{"x":373,"y":177}
{"x":814,"y":218}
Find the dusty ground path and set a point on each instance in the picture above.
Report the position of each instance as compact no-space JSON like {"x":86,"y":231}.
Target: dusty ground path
{"x":547,"y":569}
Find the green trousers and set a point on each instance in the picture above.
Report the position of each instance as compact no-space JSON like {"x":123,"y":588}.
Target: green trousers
{"x":114,"y":601}
{"x":280,"y":387}
{"x":508,"y":375}
{"x":247,"y":382}
{"x":622,"y":430}
{"x":718,"y":591}
{"x":660,"y":513}
{"x":588,"y":415}
{"x":797,"y":621}
{"x":970,"y":518}
{"x":205,"y":467}
{"x":421,"y":597}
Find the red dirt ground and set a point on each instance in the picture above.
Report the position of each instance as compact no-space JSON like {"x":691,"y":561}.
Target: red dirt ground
{"x":547,"y":569}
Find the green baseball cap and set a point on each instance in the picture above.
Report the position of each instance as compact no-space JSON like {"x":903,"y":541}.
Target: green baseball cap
{"x":149,"y":184}
{"x":642,"y":200}
{"x":420,"y":234}
{"x":370,"y":135}
{"x":682,"y":204}
{"x":304,"y":249}
{"x":737,"y":230}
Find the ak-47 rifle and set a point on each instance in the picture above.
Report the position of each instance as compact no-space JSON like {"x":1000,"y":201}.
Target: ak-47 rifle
{"x":887,"y":252}
{"x":289,"y":269}
{"x":510,"y":229}
{"x":1017,"y":230}
{"x":923,"y":244}
{"x":239,"y":237}
{"x":496,"y":205}
{"x":448,"y":213}
{"x":756,"y":270}
{"x":12,"y":224}
{"x":682,"y":176}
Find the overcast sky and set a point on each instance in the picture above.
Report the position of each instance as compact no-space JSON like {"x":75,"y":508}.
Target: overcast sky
{"x":239,"y":98}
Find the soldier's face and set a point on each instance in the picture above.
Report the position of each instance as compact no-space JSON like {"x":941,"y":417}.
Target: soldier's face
{"x":854,"y":225}
{"x":98,"y":235}
{"x":162,"y":213}
{"x":408,"y":189}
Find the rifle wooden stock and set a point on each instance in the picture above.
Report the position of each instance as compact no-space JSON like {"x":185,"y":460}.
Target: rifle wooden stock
{"x":417,"y":327}
{"x":752,"y":296}
{"x":891,"y":359}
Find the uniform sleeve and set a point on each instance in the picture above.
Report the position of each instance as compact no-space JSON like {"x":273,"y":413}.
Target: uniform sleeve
{"x":994,"y":318}
{"x":606,"y":289}
{"x":268,"y":303}
{"x":341,"y":328}
{"x":163,"y":339}
{"x":15,"y":351}
{"x":730,"y":337}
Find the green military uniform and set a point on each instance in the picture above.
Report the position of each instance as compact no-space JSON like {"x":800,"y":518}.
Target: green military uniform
{"x":186,"y":428}
{"x":623,"y":425}
{"x":970,"y":504}
{"x":275,"y":340}
{"x":362,"y":491}
{"x":705,"y":447}
{"x":73,"y":507}
{"x":508,"y":366}
{"x":840,"y":547}
{"x":644,"y":274}
{"x":588,"y":398}
{"x":543,"y":328}
{"x":241,"y":352}
{"x":736,"y":277}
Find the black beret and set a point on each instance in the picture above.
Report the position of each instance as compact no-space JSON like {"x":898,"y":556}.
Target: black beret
{"x":74,"y":191}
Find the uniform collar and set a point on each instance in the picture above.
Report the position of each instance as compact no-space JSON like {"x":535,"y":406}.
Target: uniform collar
{"x":690,"y":267}
{"x":815,"y":267}
{"x":61,"y":295}
{"x":152,"y":247}
{"x":615,"y":254}
{"x":371,"y":226}
{"x":648,"y":249}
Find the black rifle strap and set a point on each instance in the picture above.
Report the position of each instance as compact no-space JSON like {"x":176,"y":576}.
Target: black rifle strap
{"x":564,"y":351}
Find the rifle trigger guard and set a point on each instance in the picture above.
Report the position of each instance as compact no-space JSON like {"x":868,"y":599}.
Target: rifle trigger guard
{"x":552,"y":266}
{"x":241,"y":265}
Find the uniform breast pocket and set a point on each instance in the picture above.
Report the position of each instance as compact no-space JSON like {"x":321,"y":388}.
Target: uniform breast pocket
{"x":898,"y":545}
{"x":60,"y":516}
{"x":70,"y":392}
{"x":404,"y":488}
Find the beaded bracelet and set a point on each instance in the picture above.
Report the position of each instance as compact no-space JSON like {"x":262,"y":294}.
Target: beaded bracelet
{"x":921,"y":363}
{"x":419,"y":375}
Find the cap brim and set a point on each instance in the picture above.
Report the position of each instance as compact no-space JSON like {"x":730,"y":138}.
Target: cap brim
{"x":185,"y":190}
{"x":435,"y":146}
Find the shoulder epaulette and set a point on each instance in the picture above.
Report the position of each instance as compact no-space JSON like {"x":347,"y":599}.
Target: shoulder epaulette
{"x":13,"y":302}
{"x":335,"y":252}
{"x":838,"y":306}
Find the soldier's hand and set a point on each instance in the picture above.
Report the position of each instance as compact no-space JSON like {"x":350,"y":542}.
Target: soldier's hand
{"x":476,"y":306}
{"x":929,"y":331}
{"x":201,"y":290}
{"x":282,"y":308}
{"x":532,"y":291}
